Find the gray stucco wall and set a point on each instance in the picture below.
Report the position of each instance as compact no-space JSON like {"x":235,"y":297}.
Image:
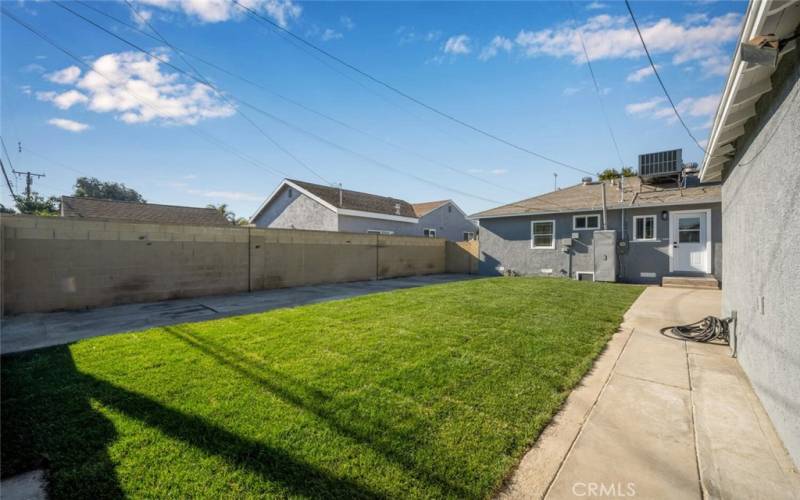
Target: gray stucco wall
{"x":449,"y":223}
{"x":761,"y":229}
{"x":297,"y":211}
{"x":507,"y":242}
{"x":350,"y":224}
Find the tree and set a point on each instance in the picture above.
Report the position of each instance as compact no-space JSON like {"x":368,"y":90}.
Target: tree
{"x":613,"y":173}
{"x":222,"y":208}
{"x":92,"y":187}
{"x":6,"y":210}
{"x":37,"y":205}
{"x":242,"y":221}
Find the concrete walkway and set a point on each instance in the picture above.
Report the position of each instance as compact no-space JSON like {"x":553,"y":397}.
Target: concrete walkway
{"x":660,"y":418}
{"x":32,"y":331}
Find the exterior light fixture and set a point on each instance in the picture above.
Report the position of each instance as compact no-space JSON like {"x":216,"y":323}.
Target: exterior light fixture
{"x":664,"y":215}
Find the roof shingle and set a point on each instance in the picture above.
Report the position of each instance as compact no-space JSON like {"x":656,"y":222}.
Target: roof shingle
{"x":355,"y":200}
{"x":93,"y":208}
{"x":590,"y":197}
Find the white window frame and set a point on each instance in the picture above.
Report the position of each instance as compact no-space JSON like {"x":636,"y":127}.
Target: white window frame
{"x":655,"y":227}
{"x":587,"y":228}
{"x":431,"y":232}
{"x":578,"y":274}
{"x":470,"y":235}
{"x":380,"y":231}
{"x":552,"y":234}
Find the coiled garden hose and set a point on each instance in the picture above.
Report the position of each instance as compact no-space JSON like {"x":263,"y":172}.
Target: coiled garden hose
{"x":708,"y":329}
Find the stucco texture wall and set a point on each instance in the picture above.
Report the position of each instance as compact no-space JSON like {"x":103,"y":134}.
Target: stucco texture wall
{"x":761,"y":230}
{"x":506,"y":242}
{"x":293,"y":210}
{"x":449,"y":223}
{"x":350,"y":224}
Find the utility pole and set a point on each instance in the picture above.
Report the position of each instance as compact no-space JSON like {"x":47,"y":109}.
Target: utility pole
{"x":555,"y":181}
{"x":28,"y":181}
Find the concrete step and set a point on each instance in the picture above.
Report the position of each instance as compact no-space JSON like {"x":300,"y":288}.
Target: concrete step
{"x":703,"y":282}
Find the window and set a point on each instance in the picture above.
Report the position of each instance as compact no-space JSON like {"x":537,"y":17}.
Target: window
{"x":580,"y":222}
{"x":449,"y":209}
{"x":290,"y":192}
{"x":379,"y":231}
{"x":644,"y":228}
{"x":469,"y":236}
{"x":430,"y":233}
{"x":689,"y":230}
{"x":543,"y":234}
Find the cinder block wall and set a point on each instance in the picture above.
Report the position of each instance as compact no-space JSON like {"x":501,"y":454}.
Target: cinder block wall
{"x":53,"y":263}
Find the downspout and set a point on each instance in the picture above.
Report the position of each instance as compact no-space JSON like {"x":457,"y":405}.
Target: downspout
{"x":604,"y":205}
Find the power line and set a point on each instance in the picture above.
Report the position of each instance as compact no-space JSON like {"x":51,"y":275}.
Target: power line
{"x":284,"y":122}
{"x":181,"y":52}
{"x":201,"y":80}
{"x":405,"y":95}
{"x":8,"y":182}
{"x":660,"y":81}
{"x":597,"y":89}
{"x":208,"y":137}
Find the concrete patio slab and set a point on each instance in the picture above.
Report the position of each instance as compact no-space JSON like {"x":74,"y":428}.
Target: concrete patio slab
{"x":660,"y":418}
{"x":33,"y":331}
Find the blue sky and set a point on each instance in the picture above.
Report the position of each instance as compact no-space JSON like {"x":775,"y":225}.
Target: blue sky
{"x":513,"y":69}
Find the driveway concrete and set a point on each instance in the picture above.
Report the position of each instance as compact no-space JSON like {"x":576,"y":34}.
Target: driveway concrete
{"x":32,"y":331}
{"x":660,"y":418}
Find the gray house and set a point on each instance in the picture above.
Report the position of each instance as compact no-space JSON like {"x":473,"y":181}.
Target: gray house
{"x":647,"y":231}
{"x":303,"y":205}
{"x":754,"y":149}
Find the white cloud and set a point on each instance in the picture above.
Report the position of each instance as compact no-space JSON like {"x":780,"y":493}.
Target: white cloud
{"x":718,"y":65}
{"x":26,"y":89}
{"x":611,"y":37}
{"x":142,"y":17}
{"x":330,"y":34}
{"x":497,"y":44}
{"x":132,"y":86}
{"x":641,"y":73}
{"x":457,"y":45}
{"x":65,"y":76}
{"x":596,"y":6}
{"x":347,"y":22}
{"x":64,"y":100}
{"x":644,"y":106}
{"x":32,"y":68}
{"x":568,"y":91}
{"x":409,"y":35}
{"x":495,"y":171}
{"x":69,"y":125}
{"x":214,"y":11}
{"x":226,"y":195}
{"x":690,"y":107}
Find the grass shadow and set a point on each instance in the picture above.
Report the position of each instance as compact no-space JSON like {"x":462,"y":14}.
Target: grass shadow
{"x":314,"y":401}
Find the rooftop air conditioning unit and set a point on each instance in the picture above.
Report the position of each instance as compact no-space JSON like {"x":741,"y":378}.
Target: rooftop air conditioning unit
{"x":661,"y":163}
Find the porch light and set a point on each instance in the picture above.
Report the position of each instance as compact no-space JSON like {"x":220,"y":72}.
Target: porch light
{"x":664,"y":215}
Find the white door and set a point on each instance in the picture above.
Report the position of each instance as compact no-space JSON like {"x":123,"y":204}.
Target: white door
{"x":690,"y":249}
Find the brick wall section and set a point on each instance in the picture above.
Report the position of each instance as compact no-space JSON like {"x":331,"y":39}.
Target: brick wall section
{"x":51,"y":263}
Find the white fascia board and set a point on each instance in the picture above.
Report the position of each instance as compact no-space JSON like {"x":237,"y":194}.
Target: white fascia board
{"x":757,"y":13}
{"x":374,"y":215}
{"x":291,"y":184}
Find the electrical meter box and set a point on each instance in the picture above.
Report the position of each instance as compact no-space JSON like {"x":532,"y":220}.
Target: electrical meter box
{"x":605,"y":255}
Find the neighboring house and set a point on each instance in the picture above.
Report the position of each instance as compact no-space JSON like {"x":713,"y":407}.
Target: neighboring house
{"x":652,"y":231}
{"x":754,"y":149}
{"x":303,"y":205}
{"x":129,"y":211}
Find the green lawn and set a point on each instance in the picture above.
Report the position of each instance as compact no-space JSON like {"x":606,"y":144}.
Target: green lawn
{"x":428,"y":392}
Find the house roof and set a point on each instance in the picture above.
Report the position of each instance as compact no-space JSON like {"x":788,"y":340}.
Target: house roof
{"x":356,"y":200}
{"x":427,"y":207}
{"x":93,"y":208}
{"x":746,"y":83}
{"x":589,"y":197}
